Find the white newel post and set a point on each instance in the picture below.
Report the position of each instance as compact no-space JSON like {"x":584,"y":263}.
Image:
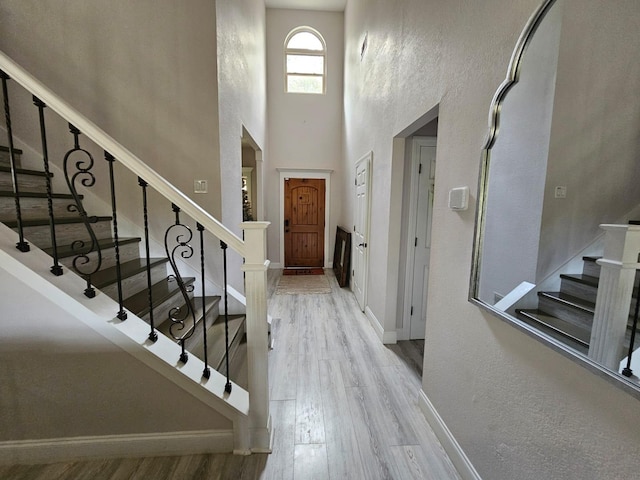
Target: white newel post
{"x":255,"y":268}
{"x":617,"y":275}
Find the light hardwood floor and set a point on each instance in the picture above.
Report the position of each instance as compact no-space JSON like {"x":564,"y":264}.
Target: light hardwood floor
{"x":343,"y":407}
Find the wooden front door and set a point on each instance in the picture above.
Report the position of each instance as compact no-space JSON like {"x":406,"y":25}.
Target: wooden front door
{"x":304,"y":222}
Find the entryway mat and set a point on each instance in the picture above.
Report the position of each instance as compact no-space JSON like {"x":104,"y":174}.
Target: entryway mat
{"x":303,"y":285}
{"x":303,"y":271}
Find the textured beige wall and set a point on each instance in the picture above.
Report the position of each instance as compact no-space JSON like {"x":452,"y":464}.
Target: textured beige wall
{"x":144,"y":71}
{"x":304,"y":130}
{"x":594,"y":148}
{"x":62,"y":379}
{"x":519,"y":410}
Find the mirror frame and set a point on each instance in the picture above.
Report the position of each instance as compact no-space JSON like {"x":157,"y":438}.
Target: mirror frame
{"x":513,"y":74}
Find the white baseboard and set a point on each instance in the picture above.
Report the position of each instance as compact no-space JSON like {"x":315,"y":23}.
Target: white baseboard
{"x":459,"y":459}
{"x":387,"y":338}
{"x":274,"y":266}
{"x":55,"y":450}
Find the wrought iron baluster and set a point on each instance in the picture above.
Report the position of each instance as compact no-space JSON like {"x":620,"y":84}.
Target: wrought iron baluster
{"x":84,"y":176}
{"x":153,"y":335}
{"x":22,"y":245}
{"x":176,"y":316}
{"x":122,"y":315}
{"x":56,"y":268}
{"x":627,"y":371}
{"x":206,"y":373}
{"x":223,"y":246}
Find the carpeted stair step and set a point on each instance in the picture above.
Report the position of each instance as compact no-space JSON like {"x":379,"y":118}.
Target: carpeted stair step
{"x":568,"y":333}
{"x":32,"y":181}
{"x":68,"y":230}
{"x":134,"y":276}
{"x":4,"y":156}
{"x":34,"y":206}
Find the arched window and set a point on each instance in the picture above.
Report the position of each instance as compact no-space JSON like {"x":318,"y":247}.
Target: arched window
{"x":305,"y":61}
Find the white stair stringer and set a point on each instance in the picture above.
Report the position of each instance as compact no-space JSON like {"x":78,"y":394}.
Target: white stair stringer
{"x":130,"y":335}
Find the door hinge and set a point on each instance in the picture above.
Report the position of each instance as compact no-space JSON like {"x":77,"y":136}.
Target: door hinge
{"x":355,"y":181}
{"x":415,"y":244}
{"x":420,"y":169}
{"x":411,"y":310}
{"x":354,"y":228}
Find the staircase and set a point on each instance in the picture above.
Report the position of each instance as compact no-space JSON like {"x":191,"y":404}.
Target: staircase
{"x":144,"y":288}
{"x":567,"y":315}
{"x":164,"y":292}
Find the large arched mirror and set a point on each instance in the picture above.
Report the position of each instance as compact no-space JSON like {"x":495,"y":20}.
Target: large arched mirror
{"x":562,"y":158}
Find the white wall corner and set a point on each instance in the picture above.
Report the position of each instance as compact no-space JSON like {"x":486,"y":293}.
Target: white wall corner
{"x":387,"y":337}
{"x":451,"y":446}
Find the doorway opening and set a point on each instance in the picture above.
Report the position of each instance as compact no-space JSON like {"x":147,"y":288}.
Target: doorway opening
{"x":304,"y":216}
{"x":418,"y":186}
{"x":252,"y":204}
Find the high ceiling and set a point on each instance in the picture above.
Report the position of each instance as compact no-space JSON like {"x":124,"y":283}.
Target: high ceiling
{"x":331,"y":5}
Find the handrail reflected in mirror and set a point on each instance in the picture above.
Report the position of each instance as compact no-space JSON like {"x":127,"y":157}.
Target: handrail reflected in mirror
{"x":560,"y":167}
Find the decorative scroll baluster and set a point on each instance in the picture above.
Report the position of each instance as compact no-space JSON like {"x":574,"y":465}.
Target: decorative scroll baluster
{"x":86,"y":179}
{"x":22,"y":245}
{"x":178,"y":317}
{"x":56,"y":269}
{"x":206,"y":373}
{"x":122,"y":315}
{"x":627,"y":371}
{"x":153,"y":335}
{"x":223,"y":246}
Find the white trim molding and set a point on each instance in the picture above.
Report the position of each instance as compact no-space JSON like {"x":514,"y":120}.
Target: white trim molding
{"x":52,"y":450}
{"x":387,"y":338}
{"x":459,"y":459}
{"x":308,"y":173}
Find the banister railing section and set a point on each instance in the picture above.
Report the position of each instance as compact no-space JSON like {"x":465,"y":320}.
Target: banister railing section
{"x":174,"y":300}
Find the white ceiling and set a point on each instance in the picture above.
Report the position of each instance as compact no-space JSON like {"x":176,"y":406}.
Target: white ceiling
{"x":331,"y":5}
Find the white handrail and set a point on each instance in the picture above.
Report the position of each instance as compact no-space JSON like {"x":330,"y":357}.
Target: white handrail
{"x":122,"y":155}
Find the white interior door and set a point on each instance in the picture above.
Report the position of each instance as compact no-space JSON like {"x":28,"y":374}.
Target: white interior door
{"x":361,"y":231}
{"x":424,"y":163}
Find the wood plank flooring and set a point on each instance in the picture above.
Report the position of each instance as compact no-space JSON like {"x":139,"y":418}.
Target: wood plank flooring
{"x":343,"y":406}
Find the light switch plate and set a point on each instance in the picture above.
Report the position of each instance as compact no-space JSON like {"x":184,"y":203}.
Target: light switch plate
{"x":200,"y":186}
{"x":459,"y":198}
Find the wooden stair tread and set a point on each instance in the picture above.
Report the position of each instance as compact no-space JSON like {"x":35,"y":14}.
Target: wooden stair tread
{"x":108,"y":276}
{"x":6,"y":149}
{"x":569,"y":300}
{"x":216,"y":351}
{"x":210,"y":302}
{"x":25,"y":171}
{"x":591,"y":258}
{"x":581,"y":278}
{"x":578,"y":336}
{"x":104,"y":243}
{"x":59,"y":221}
{"x":66,"y":196}
{"x":161,"y":291}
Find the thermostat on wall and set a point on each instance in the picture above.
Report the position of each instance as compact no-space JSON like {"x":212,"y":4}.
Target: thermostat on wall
{"x":459,"y":198}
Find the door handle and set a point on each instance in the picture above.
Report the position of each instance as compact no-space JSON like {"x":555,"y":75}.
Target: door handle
{"x":286,"y":223}
{"x":363,"y":245}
